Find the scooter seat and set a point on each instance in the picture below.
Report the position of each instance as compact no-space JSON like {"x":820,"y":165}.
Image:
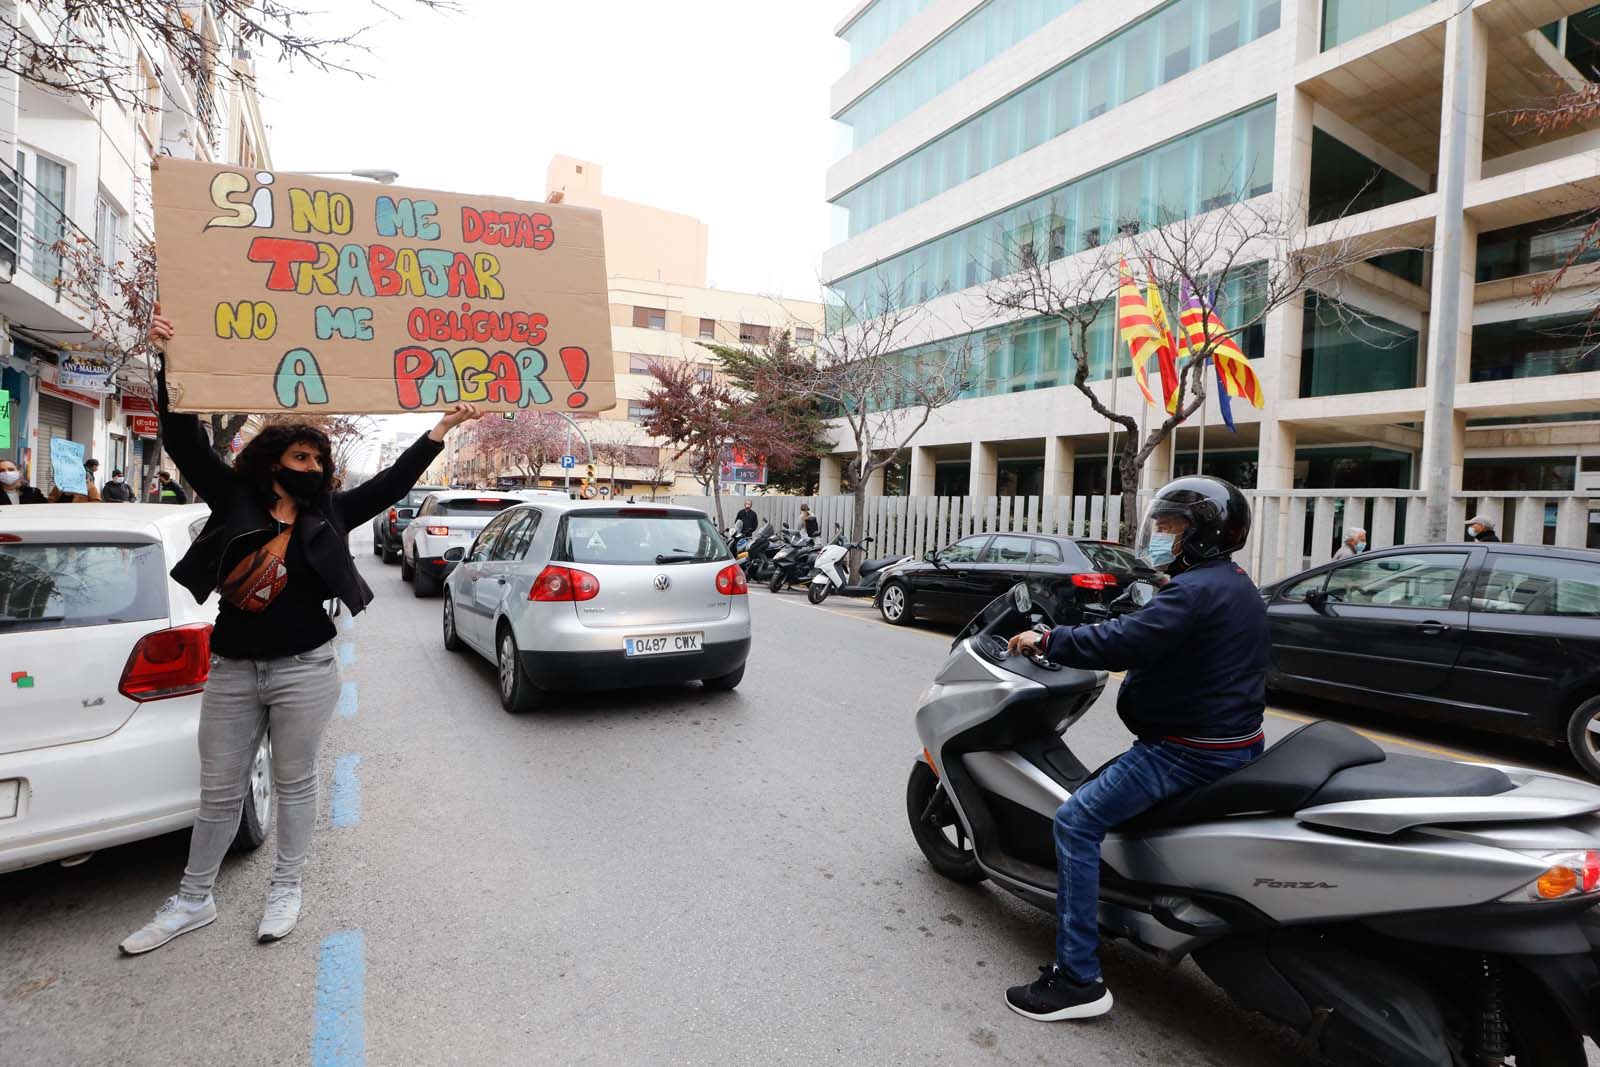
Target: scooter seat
{"x":1411,"y":776}
{"x":873,"y":566}
{"x":1285,"y":777}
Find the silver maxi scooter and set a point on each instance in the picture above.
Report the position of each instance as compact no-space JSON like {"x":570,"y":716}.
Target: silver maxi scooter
{"x":1394,"y":909}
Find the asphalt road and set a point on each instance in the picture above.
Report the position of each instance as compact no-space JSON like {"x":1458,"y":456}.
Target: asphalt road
{"x":662,"y":877}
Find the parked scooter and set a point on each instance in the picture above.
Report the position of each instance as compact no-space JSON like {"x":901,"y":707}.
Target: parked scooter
{"x":1393,"y":909}
{"x":833,"y":572}
{"x":794,"y":563}
{"x":756,"y":559}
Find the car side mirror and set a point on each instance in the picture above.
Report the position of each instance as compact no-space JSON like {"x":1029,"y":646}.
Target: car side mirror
{"x":406,"y":513}
{"x":455,"y":555}
{"x":931,"y":556}
{"x":1317,"y":599}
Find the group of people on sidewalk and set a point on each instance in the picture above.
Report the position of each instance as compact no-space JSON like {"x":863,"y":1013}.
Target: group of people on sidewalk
{"x":14,"y":488}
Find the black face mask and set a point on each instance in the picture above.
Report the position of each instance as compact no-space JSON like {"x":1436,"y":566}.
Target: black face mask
{"x":302,"y":485}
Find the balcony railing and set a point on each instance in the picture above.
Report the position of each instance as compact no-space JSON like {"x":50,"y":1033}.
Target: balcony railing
{"x":35,"y":232}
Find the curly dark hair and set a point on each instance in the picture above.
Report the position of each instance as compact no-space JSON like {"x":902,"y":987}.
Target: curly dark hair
{"x":255,"y":461}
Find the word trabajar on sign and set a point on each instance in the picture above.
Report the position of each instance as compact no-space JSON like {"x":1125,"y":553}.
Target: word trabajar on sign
{"x":294,"y":292}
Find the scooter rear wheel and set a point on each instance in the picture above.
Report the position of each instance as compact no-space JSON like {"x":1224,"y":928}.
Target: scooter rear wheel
{"x":818,"y":592}
{"x":938,"y":829}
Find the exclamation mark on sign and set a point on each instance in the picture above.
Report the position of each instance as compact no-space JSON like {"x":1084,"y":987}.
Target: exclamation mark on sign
{"x":576,"y":360}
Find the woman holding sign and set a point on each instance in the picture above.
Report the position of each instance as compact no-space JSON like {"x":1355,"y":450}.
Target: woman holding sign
{"x":275,"y":550}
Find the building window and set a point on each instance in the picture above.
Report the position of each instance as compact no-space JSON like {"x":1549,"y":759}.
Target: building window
{"x":1533,"y":348}
{"x":752,"y":334}
{"x":639,"y":410}
{"x":650,"y":318}
{"x":703,"y":373}
{"x":638,"y":364}
{"x":804,"y":335}
{"x":1345,"y":20}
{"x":149,"y":91}
{"x":1519,"y":474}
{"x":1348,"y":351}
{"x":1533,"y":248}
{"x":708,"y":328}
{"x":108,"y":241}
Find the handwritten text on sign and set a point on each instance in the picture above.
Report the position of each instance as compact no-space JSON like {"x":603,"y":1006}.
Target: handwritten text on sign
{"x":289,"y":291}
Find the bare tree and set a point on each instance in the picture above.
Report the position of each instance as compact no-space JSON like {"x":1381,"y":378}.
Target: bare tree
{"x":1258,"y":249}
{"x":85,"y":52}
{"x":610,"y":440}
{"x":879,"y":390}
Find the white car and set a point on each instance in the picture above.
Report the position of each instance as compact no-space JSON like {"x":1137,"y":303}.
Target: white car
{"x":451,"y":518}
{"x":102,"y":659}
{"x":573,"y":595}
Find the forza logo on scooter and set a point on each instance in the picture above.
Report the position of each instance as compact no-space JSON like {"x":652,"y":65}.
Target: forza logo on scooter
{"x":1273,"y":883}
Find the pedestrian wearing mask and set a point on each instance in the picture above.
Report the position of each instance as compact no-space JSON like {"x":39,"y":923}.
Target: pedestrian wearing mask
{"x":117,"y":490}
{"x":1355,"y":543}
{"x":1481,"y":528}
{"x":274,"y":549}
{"x":13,"y":490}
{"x":170,"y":492}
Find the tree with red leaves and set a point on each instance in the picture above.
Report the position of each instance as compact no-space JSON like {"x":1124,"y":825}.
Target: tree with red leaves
{"x":528,"y":438}
{"x":702,"y":420}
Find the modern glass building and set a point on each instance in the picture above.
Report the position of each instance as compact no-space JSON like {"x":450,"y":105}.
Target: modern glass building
{"x":972,"y":127}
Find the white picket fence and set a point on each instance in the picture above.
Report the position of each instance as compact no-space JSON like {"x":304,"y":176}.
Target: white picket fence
{"x":1292,"y":529}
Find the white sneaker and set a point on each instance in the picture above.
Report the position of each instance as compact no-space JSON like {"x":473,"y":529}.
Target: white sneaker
{"x":177,"y":916}
{"x":283,"y":911}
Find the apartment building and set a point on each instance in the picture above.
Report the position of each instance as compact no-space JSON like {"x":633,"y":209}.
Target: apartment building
{"x":72,"y":172}
{"x":661,"y":311}
{"x":967,"y":120}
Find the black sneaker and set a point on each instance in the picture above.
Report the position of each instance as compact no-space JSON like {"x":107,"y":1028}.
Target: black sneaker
{"x":1055,"y":997}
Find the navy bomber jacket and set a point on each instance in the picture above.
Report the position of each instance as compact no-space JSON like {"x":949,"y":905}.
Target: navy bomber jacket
{"x":1196,"y":657}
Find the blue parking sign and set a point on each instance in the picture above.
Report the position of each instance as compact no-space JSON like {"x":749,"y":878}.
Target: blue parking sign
{"x":568,"y":462}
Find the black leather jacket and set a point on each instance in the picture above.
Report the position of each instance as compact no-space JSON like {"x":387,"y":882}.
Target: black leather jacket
{"x":238,"y":509}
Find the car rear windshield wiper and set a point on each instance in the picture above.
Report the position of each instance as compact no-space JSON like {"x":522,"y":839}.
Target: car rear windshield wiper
{"x":683,"y":558}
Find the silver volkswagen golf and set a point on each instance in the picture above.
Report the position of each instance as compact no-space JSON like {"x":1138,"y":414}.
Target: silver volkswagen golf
{"x":574,"y":595}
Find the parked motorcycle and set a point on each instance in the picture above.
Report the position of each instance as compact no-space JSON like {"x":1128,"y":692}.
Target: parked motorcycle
{"x":833,"y":572}
{"x":756,"y":559}
{"x":1393,"y":909}
{"x":794,"y":563}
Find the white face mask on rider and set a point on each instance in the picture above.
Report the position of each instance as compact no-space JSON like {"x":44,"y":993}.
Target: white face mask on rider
{"x":10,"y":477}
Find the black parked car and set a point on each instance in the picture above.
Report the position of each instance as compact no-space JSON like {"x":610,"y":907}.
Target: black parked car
{"x":387,"y":526}
{"x":1496,"y":637}
{"x":956,"y":582}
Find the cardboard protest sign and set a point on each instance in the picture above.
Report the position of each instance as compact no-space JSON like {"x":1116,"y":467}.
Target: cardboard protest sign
{"x":66,"y":466}
{"x":293,"y":292}
{"x":5,"y":418}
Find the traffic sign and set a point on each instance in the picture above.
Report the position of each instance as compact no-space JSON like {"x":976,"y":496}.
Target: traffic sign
{"x":568,"y":462}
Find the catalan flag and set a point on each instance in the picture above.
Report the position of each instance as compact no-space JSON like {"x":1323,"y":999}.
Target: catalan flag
{"x":1146,"y":335}
{"x":1167,"y":354}
{"x":1203,"y":330}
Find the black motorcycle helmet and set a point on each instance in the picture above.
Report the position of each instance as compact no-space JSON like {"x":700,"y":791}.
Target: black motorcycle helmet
{"x":1206,"y":518}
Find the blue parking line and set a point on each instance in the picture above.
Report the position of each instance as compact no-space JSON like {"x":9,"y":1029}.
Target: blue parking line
{"x":340,"y":1037}
{"x":347,"y":700}
{"x":346,"y":791}
{"x":347,"y":653}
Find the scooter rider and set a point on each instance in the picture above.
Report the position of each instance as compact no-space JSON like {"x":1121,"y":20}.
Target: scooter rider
{"x":1194,"y":695}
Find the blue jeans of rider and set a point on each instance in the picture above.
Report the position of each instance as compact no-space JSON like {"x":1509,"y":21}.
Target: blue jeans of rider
{"x":1136,"y":781}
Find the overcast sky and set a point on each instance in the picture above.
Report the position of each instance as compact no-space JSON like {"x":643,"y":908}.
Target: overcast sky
{"x":715,"y":108}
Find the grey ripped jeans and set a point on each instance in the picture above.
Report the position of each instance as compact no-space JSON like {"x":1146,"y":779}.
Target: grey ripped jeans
{"x":296,"y":696}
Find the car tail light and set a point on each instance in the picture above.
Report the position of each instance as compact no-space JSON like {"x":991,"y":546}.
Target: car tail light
{"x":1094,"y":581}
{"x":731,"y":581}
{"x":439,"y":531}
{"x":394,"y":514}
{"x":9,"y":539}
{"x":643,"y":513}
{"x":168,"y":663}
{"x":564,"y":583}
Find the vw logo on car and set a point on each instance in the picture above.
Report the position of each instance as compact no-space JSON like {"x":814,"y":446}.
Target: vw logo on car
{"x":663,"y":583}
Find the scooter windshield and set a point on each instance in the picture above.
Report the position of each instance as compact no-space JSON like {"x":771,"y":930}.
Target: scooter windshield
{"x":1002,"y":618}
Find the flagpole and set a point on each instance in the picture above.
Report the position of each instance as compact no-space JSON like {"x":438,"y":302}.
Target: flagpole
{"x":1200,"y":462}
{"x":1111,"y":441}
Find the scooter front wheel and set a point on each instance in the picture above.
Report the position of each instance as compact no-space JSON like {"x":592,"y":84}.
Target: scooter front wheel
{"x":938,"y":829}
{"x":777,"y":583}
{"x":817,"y":592}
